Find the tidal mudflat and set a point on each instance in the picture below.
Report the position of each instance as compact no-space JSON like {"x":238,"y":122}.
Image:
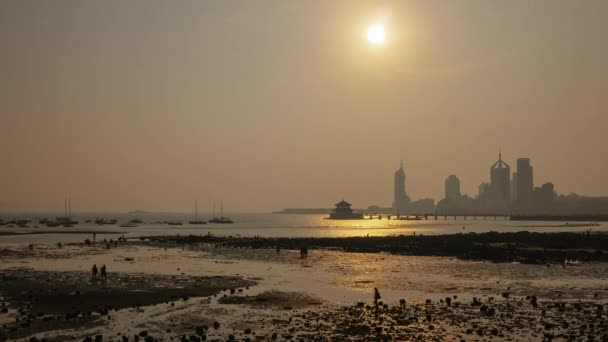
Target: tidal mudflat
{"x":197,"y":289}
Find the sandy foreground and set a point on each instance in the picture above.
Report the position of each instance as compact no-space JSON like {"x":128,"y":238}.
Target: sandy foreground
{"x":162,"y":292}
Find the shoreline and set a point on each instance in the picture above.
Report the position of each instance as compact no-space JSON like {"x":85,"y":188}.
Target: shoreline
{"x":524,"y":247}
{"x":67,"y":232}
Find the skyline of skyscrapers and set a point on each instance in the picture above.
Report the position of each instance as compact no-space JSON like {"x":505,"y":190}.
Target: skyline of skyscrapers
{"x":505,"y":193}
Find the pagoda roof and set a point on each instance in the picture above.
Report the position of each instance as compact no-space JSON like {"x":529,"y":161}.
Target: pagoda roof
{"x":343,"y":204}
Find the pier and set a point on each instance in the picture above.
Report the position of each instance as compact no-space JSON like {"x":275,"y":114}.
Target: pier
{"x":436,"y":216}
{"x":486,"y":217}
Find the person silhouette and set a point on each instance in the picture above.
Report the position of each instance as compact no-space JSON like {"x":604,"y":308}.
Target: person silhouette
{"x":376,"y":297}
{"x":104,"y":275}
{"x":94,"y":272}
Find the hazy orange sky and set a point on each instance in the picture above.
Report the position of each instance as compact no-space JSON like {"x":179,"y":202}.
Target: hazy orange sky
{"x":147,"y":104}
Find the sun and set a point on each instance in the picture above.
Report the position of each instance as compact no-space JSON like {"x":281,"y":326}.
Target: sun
{"x":376,"y":34}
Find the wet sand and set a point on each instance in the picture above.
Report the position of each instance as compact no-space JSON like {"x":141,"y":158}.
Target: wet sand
{"x":258,"y":294}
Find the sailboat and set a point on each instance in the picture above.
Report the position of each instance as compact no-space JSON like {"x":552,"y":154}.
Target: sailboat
{"x":65,"y":220}
{"x":196,"y":220}
{"x":220,"y":219}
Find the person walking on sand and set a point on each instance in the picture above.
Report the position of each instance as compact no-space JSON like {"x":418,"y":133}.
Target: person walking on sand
{"x":94,"y":236}
{"x":94,"y":272}
{"x":104,"y":275}
{"x":376,"y":297}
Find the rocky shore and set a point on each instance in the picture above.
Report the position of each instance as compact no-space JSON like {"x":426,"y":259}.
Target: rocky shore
{"x":524,"y":247}
{"x":513,"y":319}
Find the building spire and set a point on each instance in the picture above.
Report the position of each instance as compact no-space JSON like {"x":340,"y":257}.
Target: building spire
{"x":500,"y":154}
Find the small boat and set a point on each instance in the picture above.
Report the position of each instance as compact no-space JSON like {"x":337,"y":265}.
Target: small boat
{"x":66,"y":220}
{"x":220,"y":219}
{"x":129,"y":225}
{"x":196,"y":220}
{"x":136,"y":221}
{"x":175,"y":223}
{"x":101,"y":221}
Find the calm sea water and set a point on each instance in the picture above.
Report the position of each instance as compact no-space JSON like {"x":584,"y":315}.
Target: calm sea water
{"x":269,"y":225}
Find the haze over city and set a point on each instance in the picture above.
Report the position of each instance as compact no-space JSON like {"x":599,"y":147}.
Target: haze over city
{"x":271,"y":104}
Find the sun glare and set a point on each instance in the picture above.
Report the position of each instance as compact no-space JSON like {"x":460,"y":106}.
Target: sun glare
{"x":376,"y":34}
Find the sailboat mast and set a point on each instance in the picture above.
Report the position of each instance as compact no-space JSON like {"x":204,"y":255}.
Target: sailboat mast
{"x":196,"y":209}
{"x":221,"y":208}
{"x":213,"y":209}
{"x":65,"y":206}
{"x":69,"y":206}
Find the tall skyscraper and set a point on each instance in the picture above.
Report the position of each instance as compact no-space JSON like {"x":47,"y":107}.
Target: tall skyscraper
{"x":452,"y":188}
{"x":401,"y":200}
{"x":514,"y":187}
{"x":500,"y":181}
{"x":525,"y":183}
